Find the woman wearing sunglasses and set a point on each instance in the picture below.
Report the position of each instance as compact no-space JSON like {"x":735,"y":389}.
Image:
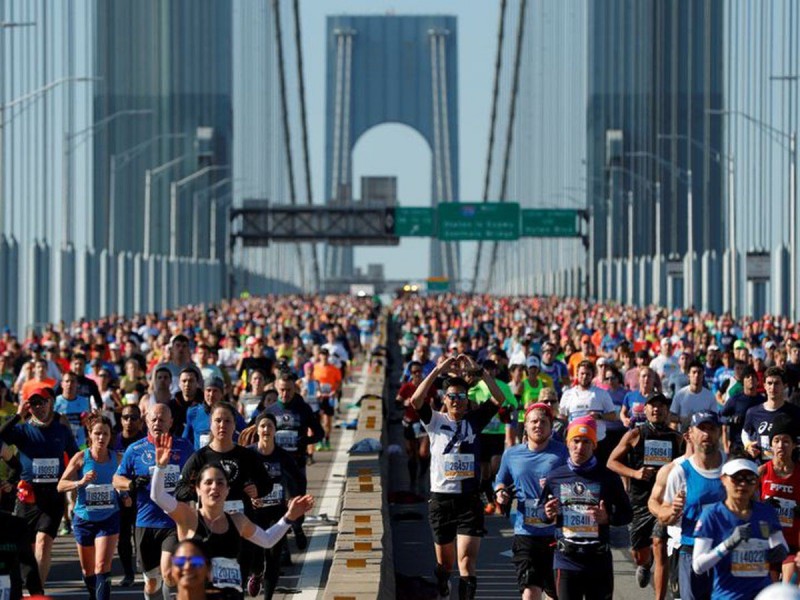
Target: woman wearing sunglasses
{"x":191,"y":569}
{"x":739,"y":537}
{"x":455,"y":509}
{"x":220,"y":531}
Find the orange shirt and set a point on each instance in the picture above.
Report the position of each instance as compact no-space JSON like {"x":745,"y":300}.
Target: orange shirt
{"x":328,"y":374}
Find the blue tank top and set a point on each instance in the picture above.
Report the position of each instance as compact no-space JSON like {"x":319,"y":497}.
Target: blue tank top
{"x":98,"y":500}
{"x":700,"y":492}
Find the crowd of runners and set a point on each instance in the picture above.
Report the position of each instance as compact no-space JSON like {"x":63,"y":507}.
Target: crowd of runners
{"x":180,"y":439}
{"x":179,"y":442}
{"x":577,"y":420}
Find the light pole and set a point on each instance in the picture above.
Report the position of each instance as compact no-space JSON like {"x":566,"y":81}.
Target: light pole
{"x":212,"y":218}
{"x":3,"y":26}
{"x":149,"y":174}
{"x":719,"y":157}
{"x":3,"y":121}
{"x":791,"y":138}
{"x":117,"y":162}
{"x":66,"y":173}
{"x":687,"y":179}
{"x":173,"y":204}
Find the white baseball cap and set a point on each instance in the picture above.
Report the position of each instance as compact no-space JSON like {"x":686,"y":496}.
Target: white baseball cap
{"x":738,"y":465}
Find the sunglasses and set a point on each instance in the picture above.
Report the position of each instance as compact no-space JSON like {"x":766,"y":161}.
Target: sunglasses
{"x":744,"y":479}
{"x":38,"y":403}
{"x":195,"y":562}
{"x":461,"y":396}
{"x":129,"y":417}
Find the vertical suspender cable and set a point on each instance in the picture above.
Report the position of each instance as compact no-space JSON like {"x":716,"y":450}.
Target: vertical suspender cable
{"x":498,"y":63}
{"x":304,"y":124}
{"x":337,"y":130}
{"x":510,"y":126}
{"x":448,"y":174}
{"x":287,"y":138}
{"x":437,"y":144}
{"x":345,"y":176}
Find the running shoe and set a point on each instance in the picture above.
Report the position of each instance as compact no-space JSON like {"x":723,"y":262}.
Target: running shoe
{"x":643,"y":576}
{"x":66,"y":528}
{"x":254,"y":584}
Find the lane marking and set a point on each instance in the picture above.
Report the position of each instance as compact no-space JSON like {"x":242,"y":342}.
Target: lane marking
{"x":319,"y":551}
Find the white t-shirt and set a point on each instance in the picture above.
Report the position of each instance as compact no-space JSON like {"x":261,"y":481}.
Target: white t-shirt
{"x":578,"y":402}
{"x":686,"y":403}
{"x":665,"y":366}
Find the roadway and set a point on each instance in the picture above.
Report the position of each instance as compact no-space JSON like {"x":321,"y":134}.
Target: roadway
{"x":304,"y":580}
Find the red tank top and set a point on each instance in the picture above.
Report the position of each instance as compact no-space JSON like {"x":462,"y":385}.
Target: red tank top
{"x":786,"y":490}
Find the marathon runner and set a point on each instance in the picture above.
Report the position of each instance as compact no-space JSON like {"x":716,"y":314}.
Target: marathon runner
{"x":583,"y":498}
{"x":738,"y":538}
{"x":455,"y":508}
{"x":155,"y":531}
{"x":641,"y":453}
{"x":42,"y":441}
{"x":523,"y":470}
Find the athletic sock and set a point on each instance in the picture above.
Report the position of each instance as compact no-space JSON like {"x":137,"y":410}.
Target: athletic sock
{"x":103,"y":586}
{"x":467,"y":587}
{"x":91,"y":585}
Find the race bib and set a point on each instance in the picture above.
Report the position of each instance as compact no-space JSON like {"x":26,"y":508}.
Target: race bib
{"x":204,"y":439}
{"x":458,"y":467}
{"x":578,"y":522}
{"x":171,"y":476}
{"x":225,"y":573}
{"x":233,"y":507}
{"x":45,"y":470}
{"x":100,"y":497}
{"x":749,"y":559}
{"x":275,"y":497}
{"x":286,"y":439}
{"x":531,"y":519}
{"x":657,"y":453}
{"x":5,"y":587}
{"x":785,"y":511}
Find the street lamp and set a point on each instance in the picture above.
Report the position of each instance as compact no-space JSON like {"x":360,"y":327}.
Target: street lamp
{"x":117,"y":162}
{"x":719,"y":157}
{"x":67,"y":167}
{"x":687,"y":179}
{"x":196,"y":216}
{"x":791,"y":137}
{"x":173,"y":204}
{"x":149,"y":174}
{"x":3,"y":121}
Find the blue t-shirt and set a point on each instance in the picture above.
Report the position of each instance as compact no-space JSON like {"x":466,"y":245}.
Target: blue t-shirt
{"x":73,"y":410}
{"x":140,"y":459}
{"x":701,"y":491}
{"x":634,"y":402}
{"x":41,"y":450}
{"x":557,"y":371}
{"x":743,"y":572}
{"x":198,"y":426}
{"x":528,"y":470}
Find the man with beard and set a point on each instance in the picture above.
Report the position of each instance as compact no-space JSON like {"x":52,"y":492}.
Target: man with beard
{"x":691,"y":486}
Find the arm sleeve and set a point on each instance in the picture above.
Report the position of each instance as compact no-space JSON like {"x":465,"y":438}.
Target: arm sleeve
{"x":159,"y":495}
{"x":270,"y":537}
{"x":704,"y":557}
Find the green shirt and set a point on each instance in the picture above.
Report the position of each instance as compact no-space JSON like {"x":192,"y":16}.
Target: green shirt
{"x":480,"y":393}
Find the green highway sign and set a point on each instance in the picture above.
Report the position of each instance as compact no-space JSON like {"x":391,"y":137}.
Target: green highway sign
{"x":438,"y":284}
{"x":414,"y":221}
{"x":488,"y":221}
{"x":549,"y":222}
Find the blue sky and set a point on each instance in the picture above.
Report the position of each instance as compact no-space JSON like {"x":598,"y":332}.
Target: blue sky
{"x":398,"y":150}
